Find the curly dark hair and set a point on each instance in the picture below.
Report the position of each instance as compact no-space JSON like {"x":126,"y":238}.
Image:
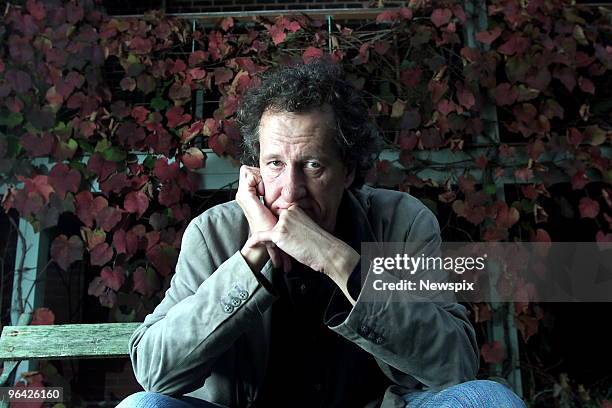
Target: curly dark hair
{"x":301,"y":88}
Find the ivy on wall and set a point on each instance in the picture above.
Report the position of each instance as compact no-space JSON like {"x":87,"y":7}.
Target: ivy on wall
{"x":98,"y":119}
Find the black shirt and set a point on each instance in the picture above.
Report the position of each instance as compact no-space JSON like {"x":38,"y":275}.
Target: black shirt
{"x":309,"y":364}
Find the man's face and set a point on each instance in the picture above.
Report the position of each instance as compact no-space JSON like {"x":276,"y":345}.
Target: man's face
{"x":300,"y":164}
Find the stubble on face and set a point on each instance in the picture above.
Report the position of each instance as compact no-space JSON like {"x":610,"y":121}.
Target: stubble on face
{"x":300,"y":164}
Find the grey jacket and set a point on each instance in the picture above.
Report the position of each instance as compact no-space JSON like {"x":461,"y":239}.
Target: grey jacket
{"x":209,"y":337}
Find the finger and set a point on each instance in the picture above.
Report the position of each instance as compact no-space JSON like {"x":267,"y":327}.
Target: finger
{"x":277,"y":261}
{"x":262,"y":238}
{"x":286,"y":262}
{"x":261,"y":191}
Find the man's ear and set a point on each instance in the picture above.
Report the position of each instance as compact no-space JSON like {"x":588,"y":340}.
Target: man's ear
{"x":350,"y":176}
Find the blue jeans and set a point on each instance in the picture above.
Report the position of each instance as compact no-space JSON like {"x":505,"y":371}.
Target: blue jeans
{"x":471,"y":394}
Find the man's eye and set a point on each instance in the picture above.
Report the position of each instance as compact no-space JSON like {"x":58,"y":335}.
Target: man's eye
{"x":313,"y":165}
{"x":276,"y":163}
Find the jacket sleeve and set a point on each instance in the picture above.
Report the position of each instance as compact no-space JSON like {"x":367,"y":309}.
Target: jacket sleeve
{"x":213,"y":297}
{"x":430,"y":341}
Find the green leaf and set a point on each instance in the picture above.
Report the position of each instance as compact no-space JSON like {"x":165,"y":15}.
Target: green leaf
{"x":11,"y":120}
{"x":159,"y":103}
{"x":490,"y":189}
{"x":114,"y":154}
{"x":149,"y":162}
{"x":87,"y":147}
{"x":102,"y":145}
{"x":13,"y":147}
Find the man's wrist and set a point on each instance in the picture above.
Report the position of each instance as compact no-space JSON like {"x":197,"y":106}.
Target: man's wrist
{"x":256,"y":257}
{"x":343,"y":260}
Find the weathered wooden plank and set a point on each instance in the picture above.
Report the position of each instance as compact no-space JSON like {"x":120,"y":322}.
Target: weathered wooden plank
{"x":66,"y":341}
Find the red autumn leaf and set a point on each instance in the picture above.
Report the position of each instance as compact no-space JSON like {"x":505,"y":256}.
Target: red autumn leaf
{"x":194,"y":130}
{"x":517,"y":44}
{"x":15,"y":105}
{"x":115,"y":183}
{"x":441,"y":16}
{"x":197,"y":57}
{"x":146,"y":83}
{"x":527,"y":325}
{"x":136,"y":202}
{"x":540,"y":235}
{"x":605,"y":404}
{"x":101,"y":254}
{"x":42,"y":316}
{"x":465,"y":97}
{"x":20,"y":81}
{"x":177,"y":117}
{"x":74,"y":13}
{"x":125,"y":242}
{"x":140,"y":113}
{"x":40,"y":184}
{"x":411,"y":77}
{"x":364,"y":53}
{"x":113,"y":278}
{"x":227,"y":23}
{"x":37,"y":146}
{"x":86,"y":207}
{"x":406,"y":13}
{"x":505,"y":94}
{"x":179,"y":91}
{"x":63,"y":179}
{"x":164,"y":171}
{"x":567,"y":76}
{"x":163,"y":257}
{"x":223,"y":75}
{"x":445,"y":107}
{"x":128,"y":84}
{"x":178,"y":67}
{"x":140,"y":45}
{"x":603,"y":238}
{"x":492,"y":352}
{"x":65,"y":251}
{"x":459,"y":13}
{"x":579,"y":180}
{"x":588,"y":208}
{"x":487,"y":37}
{"x":523,"y":173}
{"x":277,"y":34}
{"x":586,"y":85}
{"x":381,"y":47}
{"x":293,"y":26}
{"x":437,"y":89}
{"x":311,"y":53}
{"x":193,"y":158}
{"x":169,"y":194}
{"x":107,"y":218}
{"x":197,"y":74}
{"x":387,"y":16}
{"x":146,"y":281}
{"x":36,"y":9}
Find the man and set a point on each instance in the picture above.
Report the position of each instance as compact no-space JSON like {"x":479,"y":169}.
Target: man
{"x":267,"y":305}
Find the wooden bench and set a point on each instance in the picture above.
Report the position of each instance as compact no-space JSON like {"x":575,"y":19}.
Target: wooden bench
{"x":62,"y":341}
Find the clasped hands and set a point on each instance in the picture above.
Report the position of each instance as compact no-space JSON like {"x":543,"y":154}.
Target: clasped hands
{"x":293,"y":234}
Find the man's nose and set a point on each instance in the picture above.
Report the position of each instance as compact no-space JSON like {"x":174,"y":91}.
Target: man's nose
{"x":293,"y":185}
